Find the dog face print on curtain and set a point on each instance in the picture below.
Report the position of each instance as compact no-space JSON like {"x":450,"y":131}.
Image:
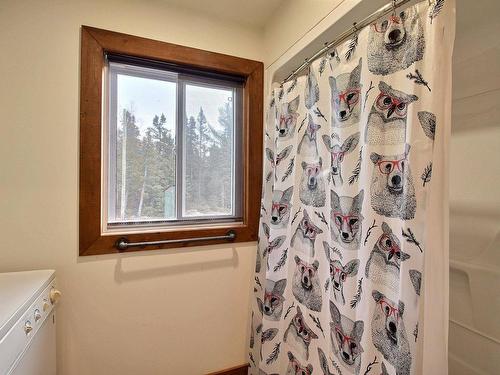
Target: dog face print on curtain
{"x":349,"y":152}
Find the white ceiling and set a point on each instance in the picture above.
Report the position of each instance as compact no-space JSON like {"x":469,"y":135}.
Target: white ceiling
{"x":250,"y":13}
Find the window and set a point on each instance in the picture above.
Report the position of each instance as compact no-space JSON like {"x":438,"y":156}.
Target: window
{"x":173,"y":147}
{"x":170,"y":144}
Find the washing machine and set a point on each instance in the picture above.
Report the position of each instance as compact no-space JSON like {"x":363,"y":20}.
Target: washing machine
{"x":28,"y":322}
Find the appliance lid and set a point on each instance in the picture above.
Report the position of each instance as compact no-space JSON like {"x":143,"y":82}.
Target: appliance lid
{"x":18,"y":290}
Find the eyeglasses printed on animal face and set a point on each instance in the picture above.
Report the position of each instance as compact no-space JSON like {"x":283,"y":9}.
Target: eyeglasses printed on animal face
{"x":349,"y":97}
{"x":353,"y":346}
{"x":388,"y":309}
{"x":350,"y":220}
{"x":312,"y":170}
{"x":387,"y":166}
{"x":287,"y":120}
{"x":389,"y":245}
{"x":334,"y":270}
{"x":306,"y":268}
{"x":337,"y":155}
{"x":381,"y":27}
{"x":280,"y":207}
{"x":273,"y":298}
{"x":386,"y":102}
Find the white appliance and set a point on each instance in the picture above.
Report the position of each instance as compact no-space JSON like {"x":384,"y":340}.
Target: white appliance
{"x":27,"y":323}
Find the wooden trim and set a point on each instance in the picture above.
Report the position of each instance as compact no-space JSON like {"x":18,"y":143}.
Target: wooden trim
{"x":94,"y":44}
{"x":237,"y":370}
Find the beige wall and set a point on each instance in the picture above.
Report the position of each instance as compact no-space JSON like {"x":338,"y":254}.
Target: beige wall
{"x":290,"y":22}
{"x":168,"y":312}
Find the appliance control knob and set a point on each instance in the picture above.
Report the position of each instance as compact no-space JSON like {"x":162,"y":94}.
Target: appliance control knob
{"x":28,"y":327}
{"x":38,"y":315}
{"x":45,"y":304}
{"x":54,"y":295}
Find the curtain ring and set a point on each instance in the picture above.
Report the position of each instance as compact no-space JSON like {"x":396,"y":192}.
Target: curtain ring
{"x":394,"y":6}
{"x":354,"y":27}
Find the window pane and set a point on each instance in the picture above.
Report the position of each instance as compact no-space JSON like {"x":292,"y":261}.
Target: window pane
{"x":208,"y":151}
{"x":142,"y":145}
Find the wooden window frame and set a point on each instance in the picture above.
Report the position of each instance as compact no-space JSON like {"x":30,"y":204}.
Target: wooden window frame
{"x":95,"y":44}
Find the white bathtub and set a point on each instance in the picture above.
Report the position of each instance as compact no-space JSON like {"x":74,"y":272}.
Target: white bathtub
{"x":474,"y":338}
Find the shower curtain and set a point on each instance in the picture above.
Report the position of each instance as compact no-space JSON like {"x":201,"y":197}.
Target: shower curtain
{"x":351,"y":268}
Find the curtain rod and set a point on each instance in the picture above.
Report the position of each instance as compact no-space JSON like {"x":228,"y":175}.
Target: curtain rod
{"x":356,"y":27}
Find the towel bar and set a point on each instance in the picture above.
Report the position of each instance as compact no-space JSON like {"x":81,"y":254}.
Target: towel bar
{"x":122,"y":244}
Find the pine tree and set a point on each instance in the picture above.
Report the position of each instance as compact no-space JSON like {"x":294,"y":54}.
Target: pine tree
{"x":129,"y":155}
{"x":204,"y":140}
{"x":146,"y":166}
{"x":221,"y":159}
{"x":191,"y":162}
{"x":158,"y":166}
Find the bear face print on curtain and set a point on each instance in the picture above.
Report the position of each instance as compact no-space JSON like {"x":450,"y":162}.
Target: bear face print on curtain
{"x":347,"y":178}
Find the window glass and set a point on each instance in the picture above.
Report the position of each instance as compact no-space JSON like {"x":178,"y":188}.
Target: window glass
{"x":171,"y":147}
{"x":208,"y":151}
